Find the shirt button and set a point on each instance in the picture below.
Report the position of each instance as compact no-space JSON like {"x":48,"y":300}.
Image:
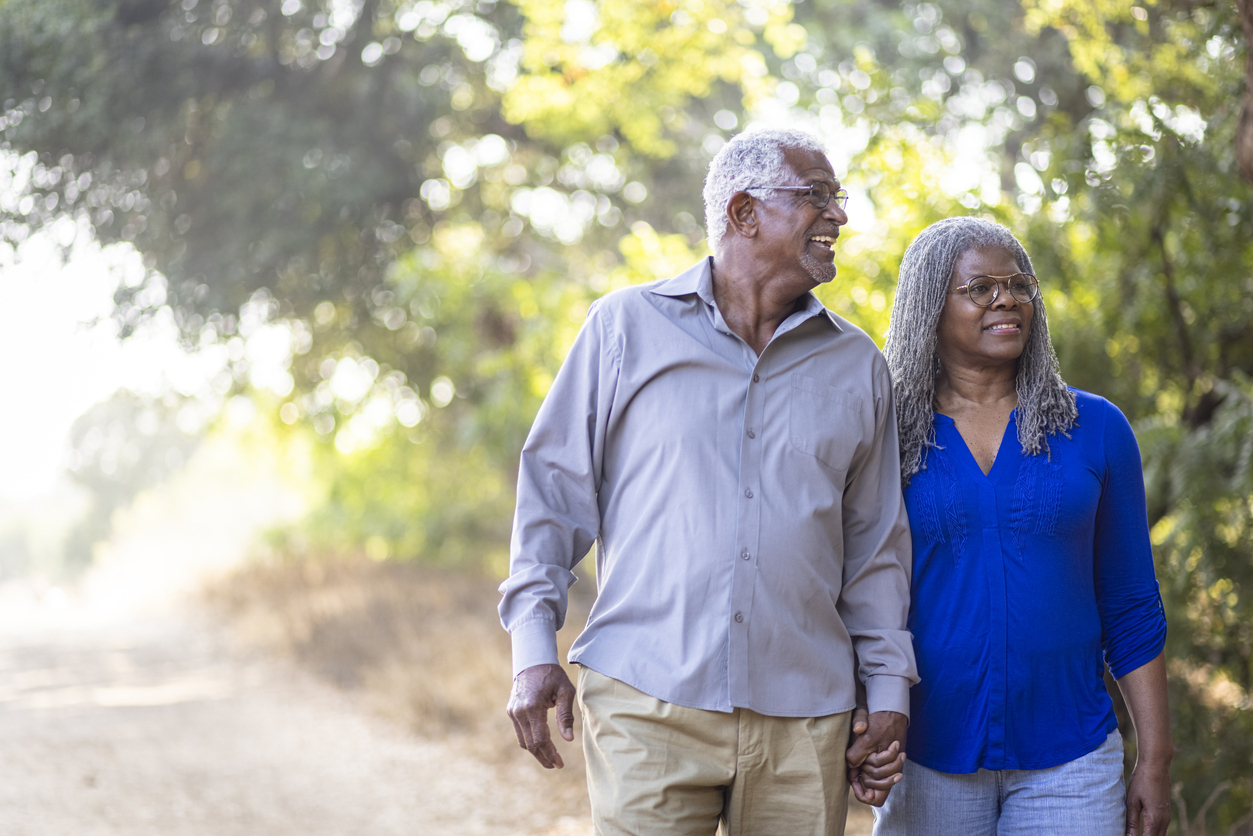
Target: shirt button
{"x":744,"y":554}
{"x":739,"y":616}
{"x":756,"y":378}
{"x":752,"y":434}
{"x":749,"y":493}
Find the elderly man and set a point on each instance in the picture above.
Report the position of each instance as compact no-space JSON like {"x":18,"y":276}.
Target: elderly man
{"x":730,"y":446}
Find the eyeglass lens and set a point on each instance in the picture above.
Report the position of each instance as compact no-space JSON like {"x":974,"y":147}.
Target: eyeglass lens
{"x":983,"y":290}
{"x":820,"y":195}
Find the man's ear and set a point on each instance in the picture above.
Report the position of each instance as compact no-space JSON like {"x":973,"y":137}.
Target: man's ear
{"x":742,"y":215}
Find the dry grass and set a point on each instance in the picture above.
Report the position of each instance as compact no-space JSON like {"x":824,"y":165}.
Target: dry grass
{"x":422,"y":646}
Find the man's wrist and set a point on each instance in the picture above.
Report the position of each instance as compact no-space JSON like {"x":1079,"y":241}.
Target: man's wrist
{"x":534,"y":643}
{"x":887,"y":693}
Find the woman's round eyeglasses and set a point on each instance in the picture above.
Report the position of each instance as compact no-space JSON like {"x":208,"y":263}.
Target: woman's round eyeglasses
{"x":984,"y":290}
{"x":819,"y":193}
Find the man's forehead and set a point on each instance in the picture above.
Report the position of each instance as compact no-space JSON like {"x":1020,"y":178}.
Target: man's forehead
{"x":809,"y":164}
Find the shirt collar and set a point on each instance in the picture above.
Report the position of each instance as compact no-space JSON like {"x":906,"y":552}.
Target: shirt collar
{"x":699,"y":279}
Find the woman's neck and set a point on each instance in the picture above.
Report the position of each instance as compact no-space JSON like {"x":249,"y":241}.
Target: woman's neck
{"x":958,"y":389}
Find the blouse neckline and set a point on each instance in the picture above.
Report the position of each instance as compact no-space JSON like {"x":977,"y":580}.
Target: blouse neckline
{"x":1006,"y":450}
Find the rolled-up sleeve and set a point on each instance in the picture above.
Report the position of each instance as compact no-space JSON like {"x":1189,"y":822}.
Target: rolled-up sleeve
{"x":874,"y":600}
{"x":557,"y":518}
{"x":1133,"y":624}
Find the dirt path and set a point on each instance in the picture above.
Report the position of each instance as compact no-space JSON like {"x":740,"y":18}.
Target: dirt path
{"x":124,"y":712}
{"x":155,"y":726}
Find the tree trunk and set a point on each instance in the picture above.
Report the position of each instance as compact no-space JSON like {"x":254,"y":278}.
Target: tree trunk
{"x":1244,"y":131}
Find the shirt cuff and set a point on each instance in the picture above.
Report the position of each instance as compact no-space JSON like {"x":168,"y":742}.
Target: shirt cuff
{"x":534,"y":643}
{"x":887,"y":693}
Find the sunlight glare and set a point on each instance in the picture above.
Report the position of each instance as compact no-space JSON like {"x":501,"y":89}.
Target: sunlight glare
{"x":62,"y":353}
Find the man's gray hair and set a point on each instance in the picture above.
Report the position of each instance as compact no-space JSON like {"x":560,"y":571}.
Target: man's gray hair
{"x":1045,"y":405}
{"x":753,"y":158}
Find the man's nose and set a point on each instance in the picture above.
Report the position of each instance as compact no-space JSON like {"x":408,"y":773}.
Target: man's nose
{"x":835,"y":212}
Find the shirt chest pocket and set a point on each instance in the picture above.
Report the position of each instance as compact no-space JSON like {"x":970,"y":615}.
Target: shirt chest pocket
{"x":825,"y":422}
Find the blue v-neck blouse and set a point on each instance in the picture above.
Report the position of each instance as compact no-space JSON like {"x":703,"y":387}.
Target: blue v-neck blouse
{"x":1027,"y":581}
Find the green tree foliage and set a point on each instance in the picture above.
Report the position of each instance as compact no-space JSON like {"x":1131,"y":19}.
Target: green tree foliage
{"x":424,"y":196}
{"x":622,"y":66}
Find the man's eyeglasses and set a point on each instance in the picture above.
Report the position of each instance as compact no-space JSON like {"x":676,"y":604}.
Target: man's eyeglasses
{"x":818,"y":193}
{"x":984,"y":290}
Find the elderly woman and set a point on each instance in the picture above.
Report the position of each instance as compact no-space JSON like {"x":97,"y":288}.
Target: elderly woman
{"x":1032,"y":564}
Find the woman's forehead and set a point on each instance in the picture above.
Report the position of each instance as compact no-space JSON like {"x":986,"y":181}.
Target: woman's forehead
{"x":985,"y":261}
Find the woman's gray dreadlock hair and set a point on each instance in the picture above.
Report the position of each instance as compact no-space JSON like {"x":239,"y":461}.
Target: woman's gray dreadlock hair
{"x":1045,"y":405}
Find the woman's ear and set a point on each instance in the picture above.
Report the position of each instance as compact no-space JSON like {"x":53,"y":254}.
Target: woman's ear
{"x":742,"y":214}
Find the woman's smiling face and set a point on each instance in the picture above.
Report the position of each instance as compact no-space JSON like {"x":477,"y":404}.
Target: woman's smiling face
{"x":972,"y":336}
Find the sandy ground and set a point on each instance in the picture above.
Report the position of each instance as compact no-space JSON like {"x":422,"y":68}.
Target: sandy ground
{"x":125,"y":711}
{"x":157,"y":726}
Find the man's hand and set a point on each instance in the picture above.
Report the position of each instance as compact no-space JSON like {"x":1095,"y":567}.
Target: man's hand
{"x":876,"y":755}
{"x":535,"y":690}
{"x":1148,"y":800}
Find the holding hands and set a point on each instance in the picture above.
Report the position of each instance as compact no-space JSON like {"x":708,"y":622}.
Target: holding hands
{"x":876,"y":754}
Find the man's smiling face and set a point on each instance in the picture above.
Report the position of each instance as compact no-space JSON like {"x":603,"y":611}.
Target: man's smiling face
{"x":800,"y":234}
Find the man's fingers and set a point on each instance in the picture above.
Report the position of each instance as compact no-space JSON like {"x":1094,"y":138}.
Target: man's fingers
{"x":861,"y":720}
{"x":565,"y":713}
{"x":521,"y":724}
{"x":535,"y":690}
{"x":859,"y":790}
{"x":859,"y":751}
{"x":531,"y":726}
{"x":541,"y":745}
{"x":541,"y":754}
{"x":517,"y":729}
{"x":548,"y":756}
{"x":538,"y":722}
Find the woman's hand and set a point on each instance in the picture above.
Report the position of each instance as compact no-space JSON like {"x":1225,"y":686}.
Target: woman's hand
{"x":1148,"y":799}
{"x":1148,"y":794}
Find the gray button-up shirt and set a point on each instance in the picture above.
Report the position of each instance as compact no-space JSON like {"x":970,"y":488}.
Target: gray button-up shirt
{"x":747,"y":510}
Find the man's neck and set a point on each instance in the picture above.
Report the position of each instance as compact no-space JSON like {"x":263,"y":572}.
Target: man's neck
{"x":753,"y":309}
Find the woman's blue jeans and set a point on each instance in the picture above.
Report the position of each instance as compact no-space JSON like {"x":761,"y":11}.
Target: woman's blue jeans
{"x":1084,"y":797}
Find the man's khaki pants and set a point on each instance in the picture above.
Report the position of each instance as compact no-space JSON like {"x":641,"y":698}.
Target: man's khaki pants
{"x":658,"y":769}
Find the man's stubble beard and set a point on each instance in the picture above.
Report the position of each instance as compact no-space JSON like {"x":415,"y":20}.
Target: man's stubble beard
{"x":819,"y":271}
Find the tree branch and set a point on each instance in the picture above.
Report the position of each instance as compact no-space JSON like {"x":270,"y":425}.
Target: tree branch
{"x":1175,"y":306}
